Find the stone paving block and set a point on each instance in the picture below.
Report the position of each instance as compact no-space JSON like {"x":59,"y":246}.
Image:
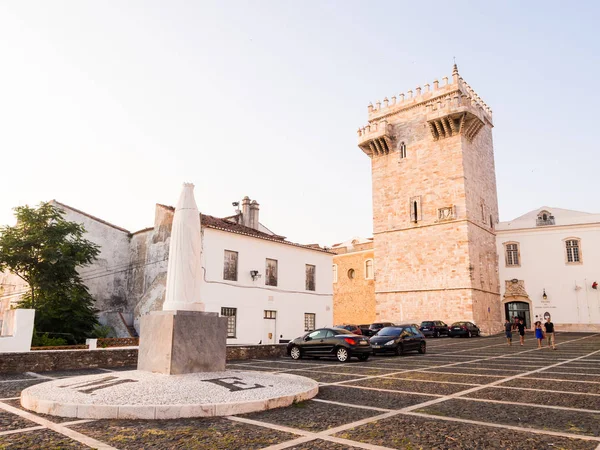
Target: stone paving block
{"x":312,"y":416}
{"x":409,"y":432}
{"x":197,"y":434}
{"x":365,"y":397}
{"x":582,"y":401}
{"x":565,"y":386}
{"x":519,"y":415}
{"x":9,"y":421}
{"x":39,"y":439}
{"x":412,"y":386}
{"x":13,"y":388}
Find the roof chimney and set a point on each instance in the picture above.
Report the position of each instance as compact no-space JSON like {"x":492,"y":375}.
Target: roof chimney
{"x":246,"y":211}
{"x":254,"y":215}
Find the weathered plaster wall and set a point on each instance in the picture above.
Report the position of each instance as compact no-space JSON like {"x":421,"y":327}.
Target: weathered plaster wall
{"x":353,"y":298}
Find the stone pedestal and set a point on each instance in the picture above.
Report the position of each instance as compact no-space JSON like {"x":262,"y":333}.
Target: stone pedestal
{"x":179,"y":342}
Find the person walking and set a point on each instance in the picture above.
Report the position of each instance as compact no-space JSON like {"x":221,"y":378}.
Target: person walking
{"x":521,"y":327}
{"x":549,"y":326}
{"x":508,"y":331}
{"x":539,"y":333}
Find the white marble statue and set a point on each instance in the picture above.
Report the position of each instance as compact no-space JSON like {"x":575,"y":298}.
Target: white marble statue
{"x":184,"y":273}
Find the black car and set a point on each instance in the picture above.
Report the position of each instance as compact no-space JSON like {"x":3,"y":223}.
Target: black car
{"x":366,"y":331}
{"x":467,"y":329}
{"x":375,"y":327}
{"x":435,"y":328}
{"x":330,"y":342}
{"x":398,"y":339}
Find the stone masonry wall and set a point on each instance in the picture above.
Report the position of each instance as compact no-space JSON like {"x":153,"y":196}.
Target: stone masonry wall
{"x":353,"y":299}
{"x":43,"y":361}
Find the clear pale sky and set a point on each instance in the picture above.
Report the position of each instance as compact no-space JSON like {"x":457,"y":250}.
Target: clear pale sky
{"x":109,"y":106}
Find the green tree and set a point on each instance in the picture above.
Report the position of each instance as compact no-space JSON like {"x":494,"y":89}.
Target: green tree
{"x":45,"y":250}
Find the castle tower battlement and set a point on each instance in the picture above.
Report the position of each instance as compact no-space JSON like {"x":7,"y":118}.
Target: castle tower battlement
{"x":434,"y":205}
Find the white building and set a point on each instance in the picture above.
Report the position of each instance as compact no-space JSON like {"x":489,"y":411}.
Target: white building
{"x":270,"y":289}
{"x":550,"y":265}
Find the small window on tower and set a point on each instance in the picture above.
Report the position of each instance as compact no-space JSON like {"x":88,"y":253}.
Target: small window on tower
{"x":402,"y":150}
{"x":415,"y":209}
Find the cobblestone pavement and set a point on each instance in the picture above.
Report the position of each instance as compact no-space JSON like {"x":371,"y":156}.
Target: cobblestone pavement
{"x":473,"y":393}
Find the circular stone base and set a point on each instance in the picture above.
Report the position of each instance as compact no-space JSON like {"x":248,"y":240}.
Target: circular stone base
{"x":144,"y":395}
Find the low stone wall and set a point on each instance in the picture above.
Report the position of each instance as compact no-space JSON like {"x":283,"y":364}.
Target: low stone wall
{"x":46,"y":360}
{"x":118,"y":342}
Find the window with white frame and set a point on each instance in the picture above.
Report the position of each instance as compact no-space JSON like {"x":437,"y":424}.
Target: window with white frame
{"x":512,"y":254}
{"x":334,"y":268}
{"x":231,"y":314}
{"x":573,"y":249}
{"x":309,"y":321}
{"x":270,"y":314}
{"x":369,"y":269}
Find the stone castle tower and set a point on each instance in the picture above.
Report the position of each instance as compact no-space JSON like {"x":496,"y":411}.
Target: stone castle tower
{"x":434,"y":205}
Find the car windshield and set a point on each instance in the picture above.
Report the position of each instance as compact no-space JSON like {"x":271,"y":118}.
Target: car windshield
{"x":341,"y":331}
{"x":458,"y":324}
{"x":426,"y":324}
{"x":390,"y":331}
{"x":376,"y":326}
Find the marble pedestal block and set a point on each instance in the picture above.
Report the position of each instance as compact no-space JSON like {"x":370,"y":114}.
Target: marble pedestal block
{"x":179,"y":342}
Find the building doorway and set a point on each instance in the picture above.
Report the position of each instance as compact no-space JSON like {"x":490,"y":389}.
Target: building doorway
{"x":520,"y":310}
{"x":269,"y":327}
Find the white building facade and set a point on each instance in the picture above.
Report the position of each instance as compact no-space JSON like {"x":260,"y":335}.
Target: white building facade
{"x":272,"y":290}
{"x":550,"y":265}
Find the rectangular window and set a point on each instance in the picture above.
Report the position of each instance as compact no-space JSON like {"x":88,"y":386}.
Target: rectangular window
{"x":309,"y":321}
{"x":230,"y":266}
{"x":369,"y":269}
{"x":512,"y":254}
{"x":231,"y":314}
{"x":573,"y":251}
{"x":335,"y":273}
{"x":270,"y":314}
{"x":271,"y":272}
{"x":310,"y":277}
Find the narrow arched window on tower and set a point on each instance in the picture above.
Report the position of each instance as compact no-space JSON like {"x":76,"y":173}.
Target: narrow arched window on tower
{"x":415,"y":209}
{"x":402,"y":150}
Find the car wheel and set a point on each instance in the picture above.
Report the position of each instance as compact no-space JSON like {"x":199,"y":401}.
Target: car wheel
{"x":295,"y":352}
{"x":399,"y":350}
{"x":363,"y":357}
{"x":342,"y":354}
{"x":468,"y":334}
{"x":422,"y":348}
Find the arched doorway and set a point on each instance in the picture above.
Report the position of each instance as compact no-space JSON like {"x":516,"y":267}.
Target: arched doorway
{"x":520,"y":310}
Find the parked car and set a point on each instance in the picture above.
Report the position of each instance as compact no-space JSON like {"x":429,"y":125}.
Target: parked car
{"x":351,"y":328}
{"x":375,"y":327}
{"x":366,"y":331}
{"x":467,"y":329}
{"x":330,"y":342}
{"x":435,"y":328}
{"x":398,"y":339}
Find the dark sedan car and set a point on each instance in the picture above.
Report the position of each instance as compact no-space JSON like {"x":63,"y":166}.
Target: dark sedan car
{"x":467,"y":329}
{"x":435,"y":328}
{"x":375,"y":327}
{"x":351,"y":328}
{"x":330,"y":342}
{"x":398,"y":339}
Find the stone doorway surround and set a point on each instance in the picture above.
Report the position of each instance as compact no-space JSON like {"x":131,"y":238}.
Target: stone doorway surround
{"x":515,"y":292}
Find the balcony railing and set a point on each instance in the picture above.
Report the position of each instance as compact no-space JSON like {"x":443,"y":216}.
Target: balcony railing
{"x":543,"y":222}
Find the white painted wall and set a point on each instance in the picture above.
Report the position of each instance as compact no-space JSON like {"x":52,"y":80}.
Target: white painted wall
{"x":543,"y":267}
{"x":251,"y":298}
{"x":17,"y":330}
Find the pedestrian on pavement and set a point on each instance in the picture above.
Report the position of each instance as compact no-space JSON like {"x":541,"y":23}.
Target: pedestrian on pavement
{"x":549,"y":326}
{"x":508,"y":331}
{"x":521,"y":327}
{"x":539,"y":333}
